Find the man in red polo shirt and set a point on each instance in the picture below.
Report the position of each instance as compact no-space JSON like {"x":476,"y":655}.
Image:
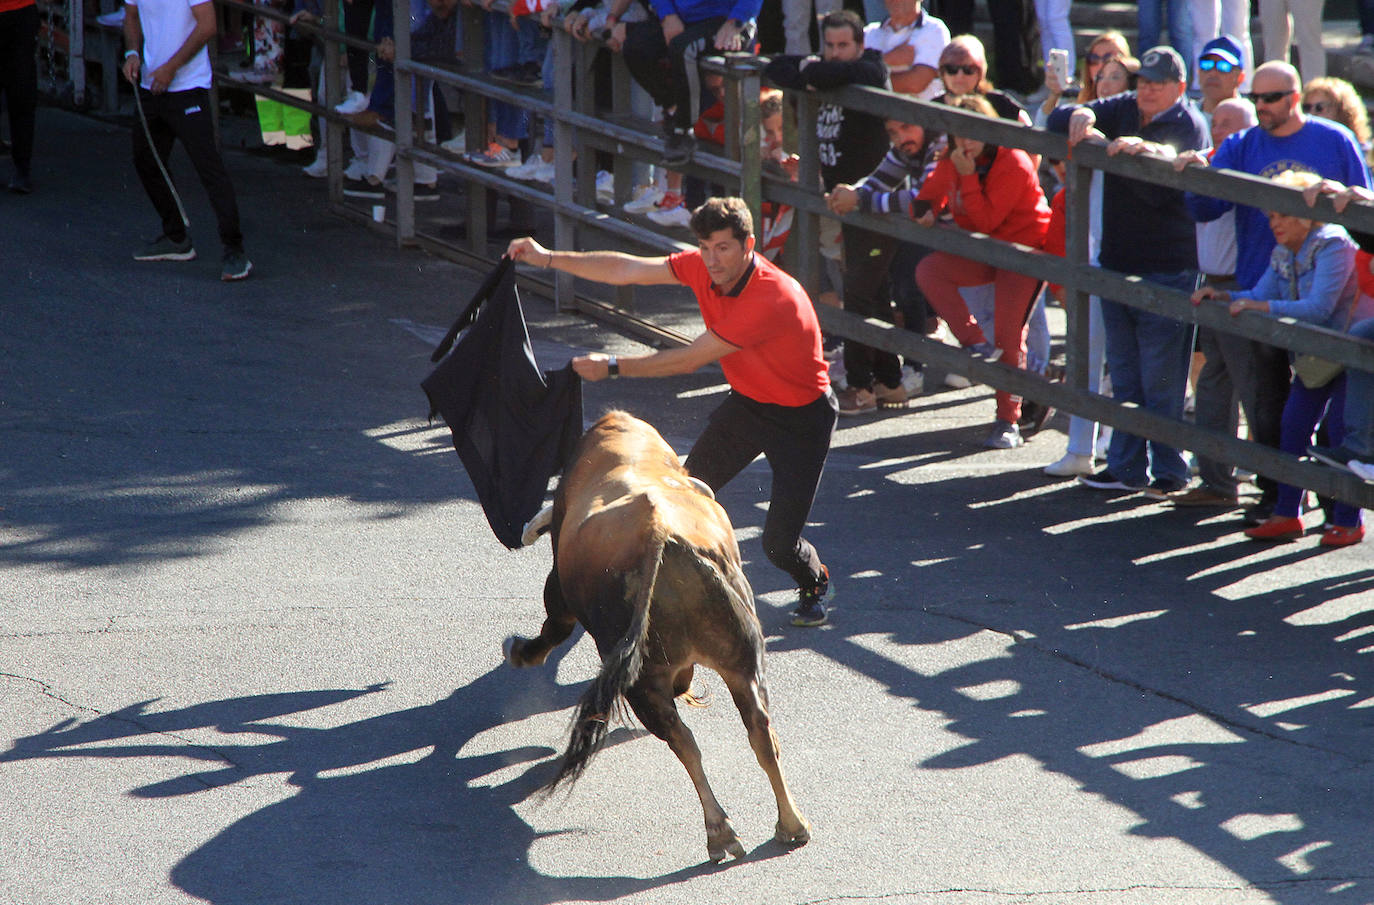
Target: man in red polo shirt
{"x":762,"y":328}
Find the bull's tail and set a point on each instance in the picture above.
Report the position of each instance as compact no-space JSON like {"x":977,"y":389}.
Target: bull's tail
{"x":619,"y":671}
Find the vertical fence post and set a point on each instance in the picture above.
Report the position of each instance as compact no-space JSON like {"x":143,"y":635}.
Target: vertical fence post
{"x":405,"y":126}
{"x":805,"y":238}
{"x":333,"y":133}
{"x":564,"y":227}
{"x":746,"y":76}
{"x":1078,"y":225}
{"x":584,"y":101}
{"x":475,"y":122}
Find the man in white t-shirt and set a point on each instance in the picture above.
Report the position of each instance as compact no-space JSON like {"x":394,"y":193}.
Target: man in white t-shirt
{"x":910,"y":40}
{"x":168,"y":61}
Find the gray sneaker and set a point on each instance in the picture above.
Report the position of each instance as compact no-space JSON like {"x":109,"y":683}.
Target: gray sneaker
{"x":165,"y":249}
{"x":236,"y":266}
{"x":1004,"y":435}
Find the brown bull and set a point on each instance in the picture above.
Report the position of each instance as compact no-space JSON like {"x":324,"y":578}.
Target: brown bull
{"x":648,"y":563}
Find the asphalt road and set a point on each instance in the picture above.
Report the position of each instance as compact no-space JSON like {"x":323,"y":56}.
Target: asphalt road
{"x":251,"y":617}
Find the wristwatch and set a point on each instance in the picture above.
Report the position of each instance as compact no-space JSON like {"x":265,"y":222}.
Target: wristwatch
{"x":612,"y":367}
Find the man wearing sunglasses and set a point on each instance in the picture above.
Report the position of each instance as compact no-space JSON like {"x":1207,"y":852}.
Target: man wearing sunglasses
{"x":1285,"y":139}
{"x":1220,"y":72}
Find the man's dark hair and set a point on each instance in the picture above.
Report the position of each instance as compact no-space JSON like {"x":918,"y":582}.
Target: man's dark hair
{"x":716,"y":214}
{"x":844,"y":18}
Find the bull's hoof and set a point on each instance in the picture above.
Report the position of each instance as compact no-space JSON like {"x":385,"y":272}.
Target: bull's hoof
{"x":734,"y":848}
{"x":723,"y":841}
{"x":514,"y":649}
{"x":793,"y":837}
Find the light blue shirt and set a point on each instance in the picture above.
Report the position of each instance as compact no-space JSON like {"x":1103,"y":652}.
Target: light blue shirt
{"x":1316,"y":284}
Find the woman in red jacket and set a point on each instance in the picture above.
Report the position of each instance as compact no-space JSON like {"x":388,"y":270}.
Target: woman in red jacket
{"x":19,"y":84}
{"x":992,"y":190}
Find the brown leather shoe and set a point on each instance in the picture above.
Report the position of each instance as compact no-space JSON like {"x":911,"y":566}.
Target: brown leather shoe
{"x":1202,"y":495}
{"x":889,"y":397}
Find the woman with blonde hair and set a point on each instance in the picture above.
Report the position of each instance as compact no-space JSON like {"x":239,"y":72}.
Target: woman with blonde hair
{"x":1311,"y":278}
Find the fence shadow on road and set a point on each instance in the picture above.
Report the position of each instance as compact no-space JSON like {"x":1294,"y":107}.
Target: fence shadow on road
{"x":1236,"y":704}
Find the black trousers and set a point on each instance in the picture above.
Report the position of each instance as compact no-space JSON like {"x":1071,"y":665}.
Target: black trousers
{"x":19,"y":81}
{"x":795,"y":441}
{"x":185,"y":116}
{"x":357,"y":16}
{"x":868,"y":293}
{"x":645,"y":53}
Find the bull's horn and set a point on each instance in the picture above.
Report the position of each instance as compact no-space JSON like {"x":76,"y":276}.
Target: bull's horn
{"x":702,"y":487}
{"x":537,"y":526}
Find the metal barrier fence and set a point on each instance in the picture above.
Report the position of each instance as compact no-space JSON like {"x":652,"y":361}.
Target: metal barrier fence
{"x":580,"y":129}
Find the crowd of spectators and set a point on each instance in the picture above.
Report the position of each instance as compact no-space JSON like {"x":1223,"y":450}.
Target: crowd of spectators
{"x":1195,"y":101}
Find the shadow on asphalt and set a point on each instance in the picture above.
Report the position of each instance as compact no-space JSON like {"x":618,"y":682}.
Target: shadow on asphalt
{"x":1020,"y":574}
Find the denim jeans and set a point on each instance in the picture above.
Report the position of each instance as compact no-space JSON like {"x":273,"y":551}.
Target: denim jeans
{"x":1305,"y":411}
{"x":502,"y":51}
{"x":1150,"y":25}
{"x":1359,"y":401}
{"x":1147,"y":358}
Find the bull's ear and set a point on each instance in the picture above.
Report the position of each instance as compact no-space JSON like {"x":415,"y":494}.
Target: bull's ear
{"x":538,"y":526}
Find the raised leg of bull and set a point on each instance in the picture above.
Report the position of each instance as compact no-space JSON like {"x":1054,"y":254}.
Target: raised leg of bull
{"x":752,"y":700}
{"x":658,"y":712}
{"x":557,"y":627}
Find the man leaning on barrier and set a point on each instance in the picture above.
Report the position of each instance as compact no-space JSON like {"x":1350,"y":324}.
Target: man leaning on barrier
{"x":1146,"y":230}
{"x":1285,"y":139}
{"x":762,"y":328}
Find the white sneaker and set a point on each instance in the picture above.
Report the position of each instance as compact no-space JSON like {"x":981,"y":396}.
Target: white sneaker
{"x":957,"y":382}
{"x":543,"y":173}
{"x":355,"y":102}
{"x":913,"y":381}
{"x":319,"y":169}
{"x":647,"y":200}
{"x":1070,"y":466}
{"x":356,"y":169}
{"x":605,"y":187}
{"x":678,"y":215}
{"x":458,"y":144}
{"x":524,"y":170}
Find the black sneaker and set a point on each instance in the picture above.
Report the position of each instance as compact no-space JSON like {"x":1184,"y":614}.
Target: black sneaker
{"x":1105,"y":480}
{"x":810,"y":610}
{"x":236,"y":265}
{"x":678,"y":148}
{"x":165,"y":249}
{"x":21,"y":184}
{"x":362,"y":188}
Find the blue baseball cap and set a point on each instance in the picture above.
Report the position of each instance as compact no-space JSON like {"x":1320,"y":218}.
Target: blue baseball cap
{"x":1225,"y":47}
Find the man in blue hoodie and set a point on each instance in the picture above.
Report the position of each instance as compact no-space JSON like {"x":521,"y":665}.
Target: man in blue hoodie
{"x":1285,"y":139}
{"x":689,"y":29}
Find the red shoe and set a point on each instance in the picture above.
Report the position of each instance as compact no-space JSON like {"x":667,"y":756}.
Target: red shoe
{"x":1340,"y":536}
{"x":1276,"y":527}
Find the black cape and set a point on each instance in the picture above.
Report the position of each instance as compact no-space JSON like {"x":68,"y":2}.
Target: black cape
{"x":514,"y":426}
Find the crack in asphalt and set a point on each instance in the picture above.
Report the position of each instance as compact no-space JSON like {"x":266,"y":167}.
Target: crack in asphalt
{"x":1216,"y":716}
{"x":48,"y":691}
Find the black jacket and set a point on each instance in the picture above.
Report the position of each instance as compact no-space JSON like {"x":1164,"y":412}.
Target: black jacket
{"x":852,"y":143}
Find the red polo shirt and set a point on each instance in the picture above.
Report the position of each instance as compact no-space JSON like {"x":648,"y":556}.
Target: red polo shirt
{"x":769,"y":317}
{"x":7,"y":6}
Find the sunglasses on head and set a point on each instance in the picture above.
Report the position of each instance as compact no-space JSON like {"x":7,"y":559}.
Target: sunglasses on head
{"x":1095,"y":58}
{"x":1207,"y":64}
{"x":1268,"y":97}
{"x":1319,"y":107}
{"x":968,"y":69}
